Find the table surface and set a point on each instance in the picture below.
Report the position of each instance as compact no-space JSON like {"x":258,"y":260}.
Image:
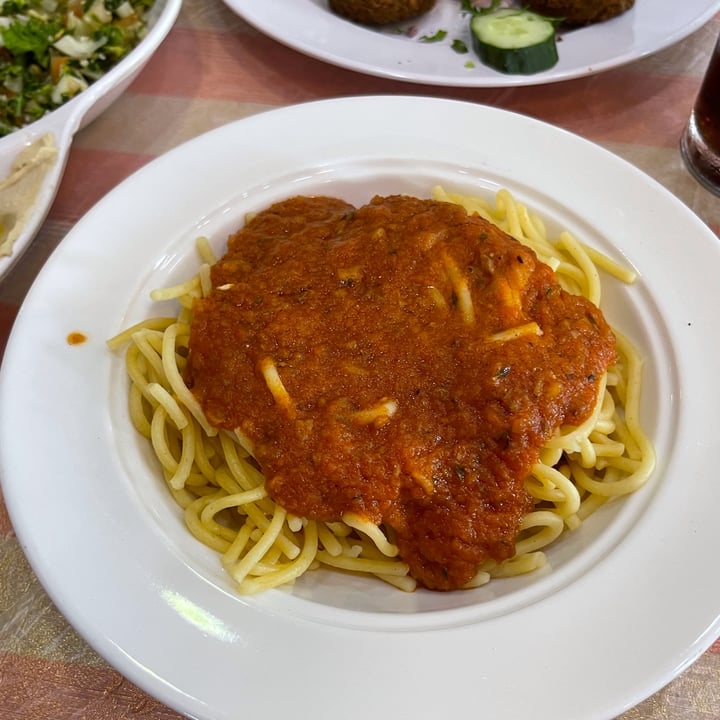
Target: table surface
{"x":212,"y":69}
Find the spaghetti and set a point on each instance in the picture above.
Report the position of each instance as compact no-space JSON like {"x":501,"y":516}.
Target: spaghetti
{"x":212,"y":473}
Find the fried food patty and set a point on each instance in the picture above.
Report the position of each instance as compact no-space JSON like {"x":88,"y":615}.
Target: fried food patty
{"x":380,"y":12}
{"x":580,"y":12}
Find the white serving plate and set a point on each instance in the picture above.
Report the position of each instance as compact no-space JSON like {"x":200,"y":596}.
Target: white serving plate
{"x":628,"y":601}
{"x":310,"y":27}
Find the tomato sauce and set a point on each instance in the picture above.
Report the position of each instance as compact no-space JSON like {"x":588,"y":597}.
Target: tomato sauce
{"x":76,"y":338}
{"x":402,"y":404}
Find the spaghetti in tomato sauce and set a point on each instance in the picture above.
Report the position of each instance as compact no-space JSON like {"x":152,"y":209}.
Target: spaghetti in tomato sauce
{"x":403,"y":363}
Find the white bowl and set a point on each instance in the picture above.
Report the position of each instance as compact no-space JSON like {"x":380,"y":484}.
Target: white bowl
{"x":64,"y":122}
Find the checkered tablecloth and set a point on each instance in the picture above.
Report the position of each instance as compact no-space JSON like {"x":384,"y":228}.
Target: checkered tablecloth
{"x":213,"y":68}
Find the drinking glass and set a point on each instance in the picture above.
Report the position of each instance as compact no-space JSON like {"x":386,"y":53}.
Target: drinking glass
{"x":700,"y":143}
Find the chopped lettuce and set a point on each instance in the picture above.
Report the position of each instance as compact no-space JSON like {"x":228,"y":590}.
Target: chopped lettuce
{"x":50,"y":50}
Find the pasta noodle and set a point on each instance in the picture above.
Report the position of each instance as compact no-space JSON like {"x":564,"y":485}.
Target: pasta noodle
{"x":211,"y":473}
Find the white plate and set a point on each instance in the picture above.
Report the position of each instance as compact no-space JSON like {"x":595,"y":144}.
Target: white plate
{"x":631,"y":598}
{"x":64,"y":122}
{"x":310,"y":27}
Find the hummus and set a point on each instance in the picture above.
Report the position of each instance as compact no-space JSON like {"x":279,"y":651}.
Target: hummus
{"x":20,"y":188}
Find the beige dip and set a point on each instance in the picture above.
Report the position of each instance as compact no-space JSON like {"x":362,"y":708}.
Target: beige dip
{"x":20,"y":188}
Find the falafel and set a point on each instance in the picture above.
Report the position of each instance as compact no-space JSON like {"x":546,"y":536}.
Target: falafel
{"x":380,"y":12}
{"x":580,"y":12}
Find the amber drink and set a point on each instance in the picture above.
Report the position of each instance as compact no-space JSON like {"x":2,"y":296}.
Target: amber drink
{"x":700,"y":143}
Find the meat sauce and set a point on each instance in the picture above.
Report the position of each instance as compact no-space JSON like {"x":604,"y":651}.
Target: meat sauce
{"x":400,"y":401}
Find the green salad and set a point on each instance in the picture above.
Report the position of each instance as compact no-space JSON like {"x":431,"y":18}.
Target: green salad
{"x":51,"y":50}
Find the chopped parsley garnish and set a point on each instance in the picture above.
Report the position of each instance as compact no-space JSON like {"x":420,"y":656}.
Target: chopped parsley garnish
{"x":437,"y":37}
{"x":32,"y":36}
{"x":50,"y":50}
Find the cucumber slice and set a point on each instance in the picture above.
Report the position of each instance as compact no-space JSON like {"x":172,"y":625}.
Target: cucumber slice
{"x":514,"y":41}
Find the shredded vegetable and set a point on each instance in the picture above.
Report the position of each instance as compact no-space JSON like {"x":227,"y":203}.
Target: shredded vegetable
{"x":50,"y":50}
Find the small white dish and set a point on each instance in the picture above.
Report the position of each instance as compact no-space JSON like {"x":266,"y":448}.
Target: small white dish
{"x":64,"y":122}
